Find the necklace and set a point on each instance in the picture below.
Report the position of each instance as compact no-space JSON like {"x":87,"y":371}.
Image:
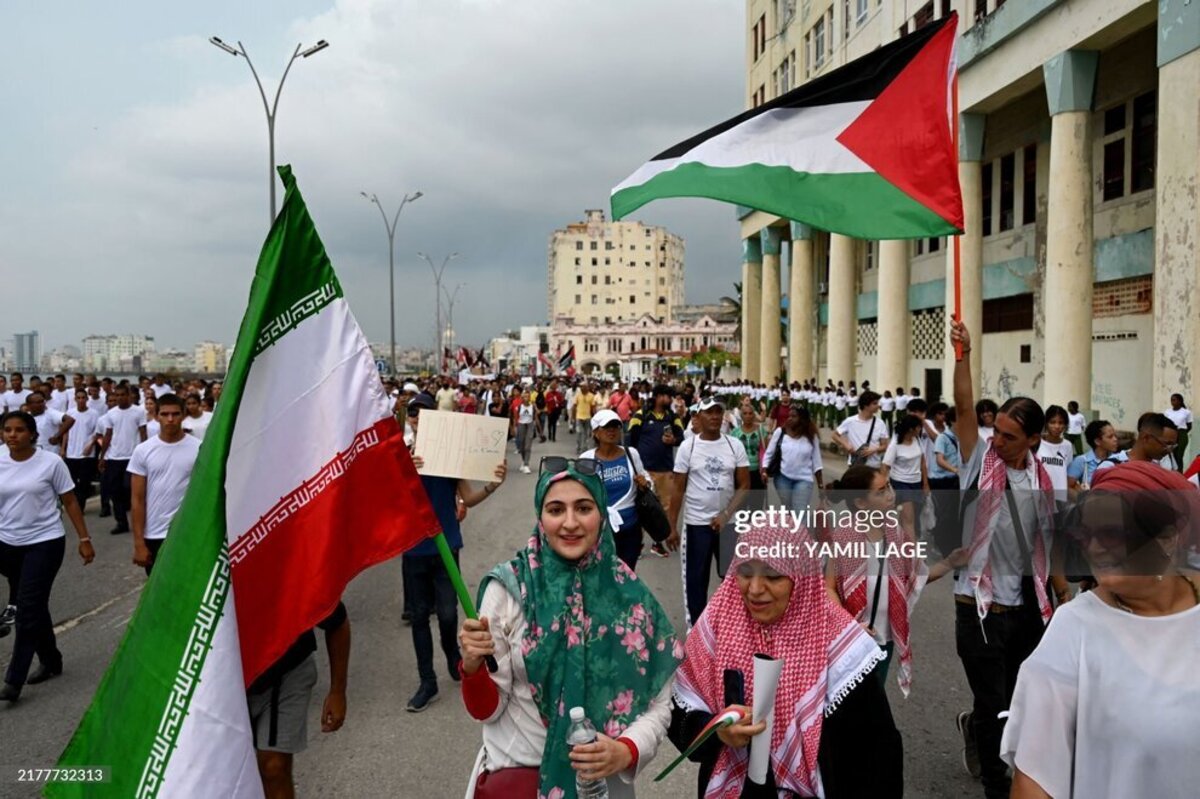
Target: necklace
{"x":1191,"y":584}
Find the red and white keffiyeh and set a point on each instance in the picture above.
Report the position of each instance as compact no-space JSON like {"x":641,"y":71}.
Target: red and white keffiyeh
{"x":993,"y":480}
{"x":906,"y":579}
{"x":825,"y":654}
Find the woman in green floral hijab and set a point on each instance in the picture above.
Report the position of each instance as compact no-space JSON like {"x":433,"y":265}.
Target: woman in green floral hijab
{"x":570,"y":626}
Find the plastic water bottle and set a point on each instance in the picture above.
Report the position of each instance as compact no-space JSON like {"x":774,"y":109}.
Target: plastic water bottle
{"x":582,"y":732}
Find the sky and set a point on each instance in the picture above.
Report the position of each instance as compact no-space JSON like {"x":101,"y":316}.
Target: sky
{"x":134,"y":152}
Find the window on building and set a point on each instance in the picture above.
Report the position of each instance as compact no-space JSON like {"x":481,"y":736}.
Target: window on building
{"x":1029,"y":185}
{"x":986,"y":193}
{"x":818,"y":35}
{"x":579,"y":245}
{"x":1008,"y":178}
{"x":871,"y":255}
{"x":923,"y":17}
{"x":607,"y":262}
{"x":762,"y":34}
{"x":846,"y":19}
{"x":607,"y":280}
{"x":863,"y":6}
{"x":1007,"y":314}
{"x":579,"y":280}
{"x":594,"y":262}
{"x":785,"y":12}
{"x":632,"y":298}
{"x":1145,"y":129}
{"x":662,"y":300}
{"x":578,"y":299}
{"x":792,"y":71}
{"x":980,"y":9}
{"x":594,"y":300}
{"x":1113,"y":168}
{"x":808,"y":54}
{"x":608,"y":245}
{"x":1026,"y":353}
{"x":593,"y":245}
{"x":578,"y":261}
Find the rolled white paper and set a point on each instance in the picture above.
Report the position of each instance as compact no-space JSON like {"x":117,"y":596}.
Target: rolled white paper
{"x":766,"y":681}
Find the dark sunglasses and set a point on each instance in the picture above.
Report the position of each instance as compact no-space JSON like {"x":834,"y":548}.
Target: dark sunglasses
{"x":557,"y":463}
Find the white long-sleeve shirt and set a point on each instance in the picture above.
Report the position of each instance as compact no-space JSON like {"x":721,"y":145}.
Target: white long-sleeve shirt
{"x":514,"y":735}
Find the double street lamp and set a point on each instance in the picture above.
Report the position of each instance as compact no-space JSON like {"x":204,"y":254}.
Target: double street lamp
{"x":391,"y":234}
{"x":270,"y":109}
{"x":437,"y":299}
{"x":450,"y":298}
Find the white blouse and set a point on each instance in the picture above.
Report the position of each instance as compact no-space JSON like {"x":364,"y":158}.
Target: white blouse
{"x":1108,"y":705}
{"x":514,"y":735}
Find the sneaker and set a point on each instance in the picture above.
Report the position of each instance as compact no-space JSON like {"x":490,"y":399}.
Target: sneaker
{"x":525,"y":469}
{"x":425,"y":696}
{"x":970,"y":751}
{"x":9,"y":616}
{"x":660,"y":551}
{"x":43,"y":673}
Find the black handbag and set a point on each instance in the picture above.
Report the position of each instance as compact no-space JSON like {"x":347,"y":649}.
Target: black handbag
{"x":651,"y":516}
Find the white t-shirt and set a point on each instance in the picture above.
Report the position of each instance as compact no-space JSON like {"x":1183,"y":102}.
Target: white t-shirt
{"x":60,"y":400}
{"x":445,"y":399}
{"x":29,"y":492}
{"x":153,"y":428}
{"x":1106,"y":706}
{"x":525,"y":413}
{"x":800,"y":460}
{"x":985,"y":434}
{"x":13,"y":400}
{"x":167,"y":469}
{"x":855,"y":430}
{"x":49,"y":422}
{"x":160,"y":391}
{"x":1076,"y":424}
{"x":1056,"y":458}
{"x":887,"y":403}
{"x":197,"y":427}
{"x":82,"y":433}
{"x":98,"y":406}
{"x":904,"y":460}
{"x":124,"y":424}
{"x":1182,"y":417}
{"x":902,"y":402}
{"x":710,"y":467}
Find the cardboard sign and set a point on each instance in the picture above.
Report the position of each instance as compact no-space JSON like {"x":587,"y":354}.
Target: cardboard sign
{"x":463,"y":445}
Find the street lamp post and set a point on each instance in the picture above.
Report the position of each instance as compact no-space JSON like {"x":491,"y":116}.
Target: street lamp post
{"x":437,"y":300}
{"x":391,"y":234}
{"x":450,"y":298}
{"x":272,"y":108}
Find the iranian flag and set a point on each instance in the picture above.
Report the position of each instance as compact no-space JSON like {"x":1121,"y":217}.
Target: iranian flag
{"x":303,"y":481}
{"x":866,"y":151}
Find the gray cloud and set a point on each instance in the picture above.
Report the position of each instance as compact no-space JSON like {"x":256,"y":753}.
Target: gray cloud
{"x":512,"y":117}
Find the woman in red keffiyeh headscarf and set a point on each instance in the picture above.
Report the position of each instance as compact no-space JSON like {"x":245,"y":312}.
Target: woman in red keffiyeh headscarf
{"x":833,"y":733}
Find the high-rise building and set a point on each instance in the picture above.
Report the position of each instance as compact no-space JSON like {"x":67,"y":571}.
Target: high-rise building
{"x":1079,"y":261}
{"x":210,"y":358}
{"x":27,"y":351}
{"x":102,"y":353}
{"x":602,"y":272}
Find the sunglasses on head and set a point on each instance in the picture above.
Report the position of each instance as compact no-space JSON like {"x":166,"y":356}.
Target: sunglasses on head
{"x":554,"y":464}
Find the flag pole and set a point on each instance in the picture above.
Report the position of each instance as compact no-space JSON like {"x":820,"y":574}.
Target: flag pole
{"x":460,"y":588}
{"x":958,"y":353}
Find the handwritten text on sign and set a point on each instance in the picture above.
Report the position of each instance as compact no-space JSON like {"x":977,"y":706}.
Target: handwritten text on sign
{"x":461,"y":445}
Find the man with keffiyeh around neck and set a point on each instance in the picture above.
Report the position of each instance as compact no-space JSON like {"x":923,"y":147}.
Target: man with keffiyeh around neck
{"x":1002,"y":601}
{"x":833,"y":734}
{"x":569,"y":625}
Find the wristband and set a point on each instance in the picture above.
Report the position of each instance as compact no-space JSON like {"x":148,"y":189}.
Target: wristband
{"x":85,"y":540}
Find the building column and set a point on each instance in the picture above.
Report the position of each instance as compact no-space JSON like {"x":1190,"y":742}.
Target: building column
{"x":892,"y":369}
{"x":801,"y":303}
{"x":770,"y":337}
{"x":751,"y":306}
{"x":1070,"y":83}
{"x":843,"y":309}
{"x":970,"y":178}
{"x":1176,"y":214}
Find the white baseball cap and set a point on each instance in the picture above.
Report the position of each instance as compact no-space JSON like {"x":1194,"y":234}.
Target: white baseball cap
{"x":411,"y":388}
{"x":709,"y":402}
{"x":605,"y":418}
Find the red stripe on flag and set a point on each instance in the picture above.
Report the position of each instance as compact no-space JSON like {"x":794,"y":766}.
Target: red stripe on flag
{"x":365,"y":506}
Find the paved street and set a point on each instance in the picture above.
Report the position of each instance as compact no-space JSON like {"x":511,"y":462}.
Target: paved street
{"x":384,"y":751}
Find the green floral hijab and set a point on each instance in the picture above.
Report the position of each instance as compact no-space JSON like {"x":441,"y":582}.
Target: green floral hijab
{"x":595,"y":638}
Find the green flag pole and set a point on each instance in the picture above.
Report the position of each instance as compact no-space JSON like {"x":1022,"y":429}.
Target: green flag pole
{"x":460,"y":587}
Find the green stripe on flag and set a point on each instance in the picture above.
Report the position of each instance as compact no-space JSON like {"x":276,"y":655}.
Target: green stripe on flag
{"x":134,"y":720}
{"x":858,"y":204}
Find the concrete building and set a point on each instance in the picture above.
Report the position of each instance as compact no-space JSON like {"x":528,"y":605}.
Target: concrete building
{"x":101,"y":353}
{"x":637,"y":348}
{"x":518,"y":350}
{"x":1079,"y":164}
{"x":209,"y":358}
{"x":604,"y":272}
{"x":27,"y":351}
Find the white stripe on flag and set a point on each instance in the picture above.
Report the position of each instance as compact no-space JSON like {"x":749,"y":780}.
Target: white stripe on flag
{"x":804,"y":139}
{"x":297,"y":412}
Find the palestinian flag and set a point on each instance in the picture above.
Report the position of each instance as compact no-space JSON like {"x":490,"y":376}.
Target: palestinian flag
{"x":566,"y":359}
{"x":866,"y":151}
{"x":303,"y":481}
